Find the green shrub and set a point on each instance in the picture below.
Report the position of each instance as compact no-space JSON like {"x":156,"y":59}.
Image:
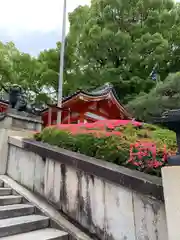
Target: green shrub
{"x":38,"y":136}
{"x":58,"y":138}
{"x":115,"y":148}
{"x":87,"y":144}
{"x":165,"y":137}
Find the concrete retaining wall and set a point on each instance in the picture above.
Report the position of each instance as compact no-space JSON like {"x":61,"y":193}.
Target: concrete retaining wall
{"x":4,"y":134}
{"x":109,"y":202}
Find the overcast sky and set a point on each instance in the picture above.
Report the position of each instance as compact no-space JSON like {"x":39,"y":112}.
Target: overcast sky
{"x":33,"y":25}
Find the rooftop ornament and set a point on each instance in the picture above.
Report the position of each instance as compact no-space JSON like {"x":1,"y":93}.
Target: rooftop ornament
{"x":171,"y":120}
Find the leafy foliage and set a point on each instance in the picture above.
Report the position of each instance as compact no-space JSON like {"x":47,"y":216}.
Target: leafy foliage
{"x":117,"y":41}
{"x":23,"y":69}
{"x":121,"y":41}
{"x":144,"y":148}
{"x":165,"y":96}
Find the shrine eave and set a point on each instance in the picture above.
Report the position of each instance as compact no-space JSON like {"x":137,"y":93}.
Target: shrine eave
{"x":103,"y":92}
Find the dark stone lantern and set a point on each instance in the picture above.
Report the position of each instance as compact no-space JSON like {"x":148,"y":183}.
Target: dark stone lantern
{"x":171,"y":120}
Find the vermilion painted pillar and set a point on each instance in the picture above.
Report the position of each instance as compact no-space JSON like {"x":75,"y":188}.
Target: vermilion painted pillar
{"x":81,"y":117}
{"x":49,"y":116}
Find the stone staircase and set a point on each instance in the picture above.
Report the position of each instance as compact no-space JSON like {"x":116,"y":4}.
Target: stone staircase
{"x":19,"y":219}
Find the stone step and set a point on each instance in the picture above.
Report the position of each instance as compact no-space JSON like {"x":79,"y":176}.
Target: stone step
{"x":5,"y":191}
{"x":16,"y":210}
{"x":10,"y":199}
{"x":18,"y":219}
{"x":24,"y":224}
{"x":42,"y":234}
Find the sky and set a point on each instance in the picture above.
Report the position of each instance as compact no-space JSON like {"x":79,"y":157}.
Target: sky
{"x":33,"y":25}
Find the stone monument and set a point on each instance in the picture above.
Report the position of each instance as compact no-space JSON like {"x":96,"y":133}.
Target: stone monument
{"x":20,"y":114}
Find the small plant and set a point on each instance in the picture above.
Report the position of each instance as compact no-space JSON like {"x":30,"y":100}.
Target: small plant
{"x":145,"y":158}
{"x":38,"y":136}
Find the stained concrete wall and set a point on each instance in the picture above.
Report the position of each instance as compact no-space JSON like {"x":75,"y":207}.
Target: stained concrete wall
{"x":15,"y":124}
{"x":107,"y":210}
{"x":4,"y":134}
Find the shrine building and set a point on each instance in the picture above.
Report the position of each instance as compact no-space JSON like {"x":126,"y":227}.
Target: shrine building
{"x":81,"y":107}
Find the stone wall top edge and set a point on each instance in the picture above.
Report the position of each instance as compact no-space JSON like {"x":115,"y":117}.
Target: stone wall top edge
{"x":135,"y":180}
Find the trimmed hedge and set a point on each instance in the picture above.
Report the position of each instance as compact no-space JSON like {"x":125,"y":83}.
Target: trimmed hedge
{"x":144,"y":148}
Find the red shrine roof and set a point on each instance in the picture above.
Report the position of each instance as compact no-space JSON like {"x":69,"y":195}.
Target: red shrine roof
{"x":104,"y":92}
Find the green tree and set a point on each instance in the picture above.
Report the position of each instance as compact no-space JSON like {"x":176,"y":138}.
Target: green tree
{"x":165,"y":96}
{"x":24,"y":70}
{"x":120,"y":41}
{"x":50,"y":60}
{"x":117,"y":41}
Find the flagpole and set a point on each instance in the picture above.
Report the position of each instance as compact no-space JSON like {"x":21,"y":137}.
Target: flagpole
{"x":61,"y":67}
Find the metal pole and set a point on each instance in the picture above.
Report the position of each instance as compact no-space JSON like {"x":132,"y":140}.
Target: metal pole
{"x":61,"y":71}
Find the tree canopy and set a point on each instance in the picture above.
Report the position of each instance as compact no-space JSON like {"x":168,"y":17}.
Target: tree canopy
{"x":22,"y":69}
{"x":121,"y":41}
{"x":165,"y":96}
